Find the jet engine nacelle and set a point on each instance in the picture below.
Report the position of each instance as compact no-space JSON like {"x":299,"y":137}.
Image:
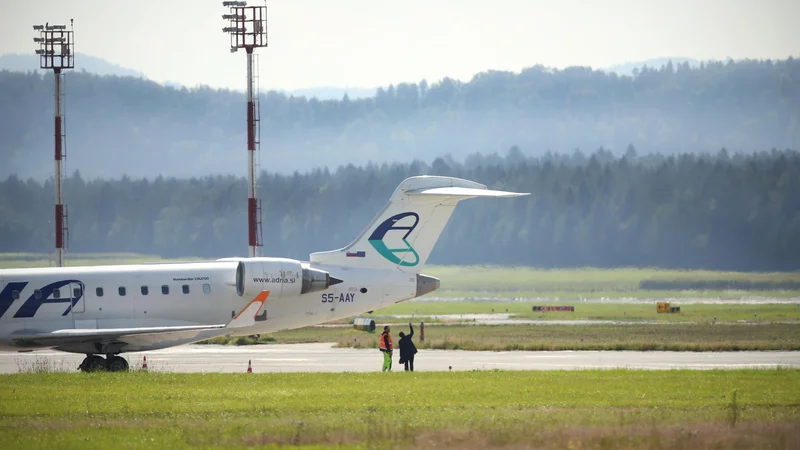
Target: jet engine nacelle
{"x":281,"y":277}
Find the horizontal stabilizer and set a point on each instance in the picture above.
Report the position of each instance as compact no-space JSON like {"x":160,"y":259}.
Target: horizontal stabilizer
{"x":465,"y":192}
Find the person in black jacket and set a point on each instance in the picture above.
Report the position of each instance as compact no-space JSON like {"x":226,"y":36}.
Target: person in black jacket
{"x":407,"y":349}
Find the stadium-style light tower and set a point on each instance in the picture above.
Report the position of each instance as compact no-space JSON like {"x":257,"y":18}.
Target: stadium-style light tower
{"x":247,"y":26}
{"x":57,"y":52}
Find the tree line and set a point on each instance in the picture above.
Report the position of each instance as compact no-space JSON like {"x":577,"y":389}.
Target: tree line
{"x":726,"y":211}
{"x":127,"y":126}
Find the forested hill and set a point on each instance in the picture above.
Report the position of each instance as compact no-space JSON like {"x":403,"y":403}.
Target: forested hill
{"x":716,"y":211}
{"x":130,"y":126}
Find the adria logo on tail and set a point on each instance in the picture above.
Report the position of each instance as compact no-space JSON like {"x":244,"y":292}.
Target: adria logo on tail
{"x":390,"y":224}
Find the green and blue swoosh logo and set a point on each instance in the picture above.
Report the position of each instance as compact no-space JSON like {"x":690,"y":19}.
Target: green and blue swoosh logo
{"x":395,"y":255}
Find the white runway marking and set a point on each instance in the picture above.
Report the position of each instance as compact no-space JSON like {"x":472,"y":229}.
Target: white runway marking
{"x":325,"y":358}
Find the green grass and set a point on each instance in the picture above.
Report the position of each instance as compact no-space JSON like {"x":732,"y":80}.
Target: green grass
{"x":679,"y":337}
{"x":693,"y":312}
{"x":30,"y":260}
{"x":590,"y":281}
{"x":672,"y":337}
{"x":774,"y":327}
{"x":527,"y":282}
{"x":488,"y":409}
{"x":578,"y":295}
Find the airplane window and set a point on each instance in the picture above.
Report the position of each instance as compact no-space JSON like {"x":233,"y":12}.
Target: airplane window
{"x":165,"y":289}
{"x":37,"y":294}
{"x":185,"y":288}
{"x":99,"y":292}
{"x":207,"y":288}
{"x":122,"y":291}
{"x":76,"y":293}
{"x":56,"y":293}
{"x":15,"y":295}
{"x":145,"y":290}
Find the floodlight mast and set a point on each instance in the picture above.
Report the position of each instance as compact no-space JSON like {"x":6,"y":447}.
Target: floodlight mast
{"x":247,"y":26}
{"x":57,"y":52}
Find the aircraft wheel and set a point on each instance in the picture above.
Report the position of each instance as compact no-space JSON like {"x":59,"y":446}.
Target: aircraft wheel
{"x":117,"y":364}
{"x":93,"y":363}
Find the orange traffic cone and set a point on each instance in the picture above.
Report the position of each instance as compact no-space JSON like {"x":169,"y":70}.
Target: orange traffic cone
{"x":144,"y":364}
{"x":249,"y":366}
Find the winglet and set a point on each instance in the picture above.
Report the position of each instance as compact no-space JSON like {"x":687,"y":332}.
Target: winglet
{"x":247,"y":317}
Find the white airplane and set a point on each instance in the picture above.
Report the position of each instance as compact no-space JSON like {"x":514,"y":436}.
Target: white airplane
{"x":109,"y":310}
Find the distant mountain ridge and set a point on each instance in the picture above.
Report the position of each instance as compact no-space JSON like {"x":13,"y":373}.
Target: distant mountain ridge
{"x":333,"y":93}
{"x":99,"y":66}
{"x":655,"y":63}
{"x":134,"y":126}
{"x":27,"y":63}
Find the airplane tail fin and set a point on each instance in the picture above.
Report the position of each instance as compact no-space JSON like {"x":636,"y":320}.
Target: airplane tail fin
{"x":403,"y":234}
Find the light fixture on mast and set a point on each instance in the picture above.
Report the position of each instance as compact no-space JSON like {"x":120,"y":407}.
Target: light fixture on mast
{"x":57,"y":52}
{"x":247,"y":29}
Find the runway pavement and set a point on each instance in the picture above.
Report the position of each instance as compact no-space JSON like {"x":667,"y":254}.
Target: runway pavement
{"x":324,"y":358}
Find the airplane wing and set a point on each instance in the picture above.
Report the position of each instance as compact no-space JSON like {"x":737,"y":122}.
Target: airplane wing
{"x":144,"y":335}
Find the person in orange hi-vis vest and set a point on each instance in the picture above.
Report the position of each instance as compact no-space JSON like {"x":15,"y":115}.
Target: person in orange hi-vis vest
{"x":386,"y":349}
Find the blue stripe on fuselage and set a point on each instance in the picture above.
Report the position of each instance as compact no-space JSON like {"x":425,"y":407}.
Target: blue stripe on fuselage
{"x":7,"y":298}
{"x":32,"y":304}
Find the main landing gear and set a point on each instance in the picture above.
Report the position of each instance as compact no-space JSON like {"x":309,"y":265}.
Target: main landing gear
{"x":96,"y":363}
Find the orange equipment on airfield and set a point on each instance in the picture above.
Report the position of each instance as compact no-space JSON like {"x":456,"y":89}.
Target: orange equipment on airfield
{"x":664,"y":307}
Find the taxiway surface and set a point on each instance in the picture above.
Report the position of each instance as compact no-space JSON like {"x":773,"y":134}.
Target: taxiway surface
{"x":324,"y":358}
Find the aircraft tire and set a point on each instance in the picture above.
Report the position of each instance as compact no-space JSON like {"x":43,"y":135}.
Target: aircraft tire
{"x":93,"y":363}
{"x":116,"y":364}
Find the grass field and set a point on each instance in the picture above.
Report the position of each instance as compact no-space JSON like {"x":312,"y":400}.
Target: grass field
{"x":562,"y":409}
{"x":513,"y":282}
{"x":738,"y":327}
{"x":694,"y":312}
{"x":525,"y":282}
{"x":677,"y":337}
{"x":25,"y":260}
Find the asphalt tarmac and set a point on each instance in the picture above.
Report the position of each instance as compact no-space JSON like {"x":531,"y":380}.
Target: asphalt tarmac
{"x":324,"y":358}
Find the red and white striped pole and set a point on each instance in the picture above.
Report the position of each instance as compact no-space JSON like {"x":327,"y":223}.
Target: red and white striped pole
{"x":59,"y":173}
{"x":252,"y":203}
{"x":248,"y":30}
{"x":56,"y":51}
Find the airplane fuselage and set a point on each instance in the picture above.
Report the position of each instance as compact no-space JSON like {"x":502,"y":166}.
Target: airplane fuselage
{"x":179,"y":294}
{"x":108,"y":310}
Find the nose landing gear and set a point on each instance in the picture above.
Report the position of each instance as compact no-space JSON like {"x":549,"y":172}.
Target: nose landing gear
{"x":96,"y":363}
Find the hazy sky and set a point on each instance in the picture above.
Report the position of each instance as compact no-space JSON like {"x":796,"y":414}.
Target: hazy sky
{"x":368,"y":43}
